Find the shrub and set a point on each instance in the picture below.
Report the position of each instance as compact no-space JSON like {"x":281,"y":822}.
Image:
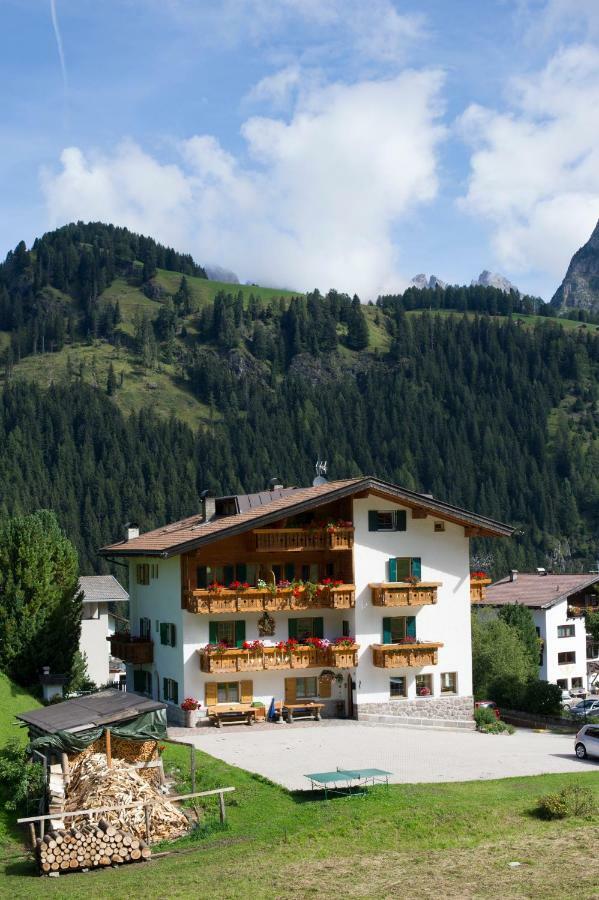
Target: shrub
{"x":507,"y":691}
{"x":542,"y":697}
{"x":497,"y":727}
{"x":484,"y":715}
{"x":20,"y":778}
{"x":573,"y":800}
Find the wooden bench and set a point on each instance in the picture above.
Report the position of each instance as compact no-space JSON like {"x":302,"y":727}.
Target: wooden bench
{"x":231,"y":714}
{"x":308,"y":710}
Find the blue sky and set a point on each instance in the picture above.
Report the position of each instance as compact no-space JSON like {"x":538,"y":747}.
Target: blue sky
{"x":304,"y":143}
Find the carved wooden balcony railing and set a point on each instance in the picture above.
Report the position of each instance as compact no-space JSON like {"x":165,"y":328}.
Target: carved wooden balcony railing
{"x":401,"y":656}
{"x":132,"y":650}
{"x":478,"y":589}
{"x":297,"y":539}
{"x":400,"y":593}
{"x":302,"y":656}
{"x":206,"y":602}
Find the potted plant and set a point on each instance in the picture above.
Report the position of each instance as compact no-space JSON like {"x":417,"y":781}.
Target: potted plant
{"x":424,"y":691}
{"x":190,"y":707}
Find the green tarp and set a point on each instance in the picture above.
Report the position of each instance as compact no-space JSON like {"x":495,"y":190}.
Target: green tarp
{"x":147,"y":726}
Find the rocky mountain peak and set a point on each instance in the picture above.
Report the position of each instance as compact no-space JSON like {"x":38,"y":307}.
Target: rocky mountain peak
{"x":580,"y":287}
{"x":493,"y":279}
{"x":422,"y":281}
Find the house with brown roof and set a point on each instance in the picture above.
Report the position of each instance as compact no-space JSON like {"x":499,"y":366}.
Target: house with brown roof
{"x":557,"y":601}
{"x":98,"y":621}
{"x":354,"y":594}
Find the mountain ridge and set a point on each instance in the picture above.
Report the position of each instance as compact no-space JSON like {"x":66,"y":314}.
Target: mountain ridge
{"x":579,"y":289}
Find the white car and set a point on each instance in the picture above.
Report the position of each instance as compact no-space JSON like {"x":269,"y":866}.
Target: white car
{"x":586,"y":742}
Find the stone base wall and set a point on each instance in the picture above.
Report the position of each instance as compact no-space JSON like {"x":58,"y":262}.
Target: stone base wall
{"x":423,"y":711}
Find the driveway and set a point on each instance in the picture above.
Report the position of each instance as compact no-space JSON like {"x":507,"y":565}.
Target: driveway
{"x":285,"y":753}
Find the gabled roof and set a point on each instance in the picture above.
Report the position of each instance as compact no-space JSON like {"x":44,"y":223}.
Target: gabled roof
{"x":101,"y":589}
{"x":193,"y":531}
{"x":537,"y":591}
{"x":101,"y":708}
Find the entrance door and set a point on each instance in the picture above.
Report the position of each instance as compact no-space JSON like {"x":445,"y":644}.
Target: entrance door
{"x":350,"y":697}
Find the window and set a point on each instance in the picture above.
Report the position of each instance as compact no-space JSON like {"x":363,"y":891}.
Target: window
{"x":306,"y":627}
{"x":562,"y":683}
{"x":577,"y":682}
{"x":142,"y":682}
{"x":398,"y":687}
{"x":145,"y":629}
{"x":564,"y":659}
{"x":438,"y":527}
{"x":449,"y":682}
{"x":205,"y":575}
{"x":228,"y":692}
{"x":142,"y":573}
{"x":387,"y":520}
{"x":170,"y":690}
{"x":90,"y":611}
{"x":306,"y":687}
{"x":227,"y":632}
{"x":398,"y":628}
{"x":592,"y":732}
{"x":154,"y":570}
{"x":403,"y":567}
{"x":564,"y":631}
{"x":345,"y":628}
{"x":168,"y":634}
{"x":424,"y":685}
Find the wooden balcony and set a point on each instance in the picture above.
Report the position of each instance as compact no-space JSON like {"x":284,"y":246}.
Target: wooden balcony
{"x":478,"y":589}
{"x":205,"y":602}
{"x":131,"y":650}
{"x":404,"y":656}
{"x":401,"y":593}
{"x":275,"y":540}
{"x":302,"y":656}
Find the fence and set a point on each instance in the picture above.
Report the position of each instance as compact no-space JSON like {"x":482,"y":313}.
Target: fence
{"x":534,"y":720}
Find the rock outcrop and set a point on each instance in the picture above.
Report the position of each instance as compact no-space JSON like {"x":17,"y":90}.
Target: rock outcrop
{"x":493,"y":279}
{"x":427,"y":281}
{"x":580,"y":287}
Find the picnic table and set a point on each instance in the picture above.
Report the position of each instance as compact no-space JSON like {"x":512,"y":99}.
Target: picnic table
{"x":308,"y":710}
{"x":231,"y":714}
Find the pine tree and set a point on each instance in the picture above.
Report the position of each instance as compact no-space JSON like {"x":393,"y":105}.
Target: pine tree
{"x":357,"y":327}
{"x":111,"y":381}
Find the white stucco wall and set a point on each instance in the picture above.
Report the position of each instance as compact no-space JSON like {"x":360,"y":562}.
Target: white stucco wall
{"x":445,"y":558}
{"x":547,"y":621}
{"x":94,"y":644}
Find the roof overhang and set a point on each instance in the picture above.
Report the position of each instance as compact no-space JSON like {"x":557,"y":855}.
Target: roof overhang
{"x":475,"y":525}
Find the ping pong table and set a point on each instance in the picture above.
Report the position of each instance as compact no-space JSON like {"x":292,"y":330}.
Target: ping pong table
{"x":347,"y":782}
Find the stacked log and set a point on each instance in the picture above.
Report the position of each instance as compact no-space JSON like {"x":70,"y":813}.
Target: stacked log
{"x":88,"y":846}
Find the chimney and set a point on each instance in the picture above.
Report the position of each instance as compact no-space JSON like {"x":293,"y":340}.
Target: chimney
{"x":208,"y":505}
{"x":131,"y":531}
{"x":274,"y":484}
{"x":514,"y":575}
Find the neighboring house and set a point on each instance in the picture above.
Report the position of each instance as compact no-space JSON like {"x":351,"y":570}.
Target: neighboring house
{"x":384,"y":565}
{"x":97,"y":623}
{"x":557,"y":603}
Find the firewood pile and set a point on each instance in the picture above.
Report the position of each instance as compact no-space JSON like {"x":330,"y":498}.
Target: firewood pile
{"x":94,"y":784}
{"x":88,"y":846}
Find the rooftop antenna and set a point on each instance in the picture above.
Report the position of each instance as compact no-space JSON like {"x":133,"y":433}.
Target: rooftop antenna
{"x":321,"y":470}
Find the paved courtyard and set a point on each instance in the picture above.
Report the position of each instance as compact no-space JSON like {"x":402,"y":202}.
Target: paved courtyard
{"x":284,"y":753}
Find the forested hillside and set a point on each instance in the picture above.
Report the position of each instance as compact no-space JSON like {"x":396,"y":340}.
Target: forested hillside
{"x":189,"y":390}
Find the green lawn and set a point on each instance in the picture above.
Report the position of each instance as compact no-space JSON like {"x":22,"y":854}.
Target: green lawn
{"x":568,"y":324}
{"x":13,"y":700}
{"x":448,"y":840}
{"x":204,"y":291}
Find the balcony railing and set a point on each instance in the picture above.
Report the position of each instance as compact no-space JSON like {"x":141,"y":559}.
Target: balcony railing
{"x":131,"y":649}
{"x":478,"y":589}
{"x":302,"y":656}
{"x":400,"y":593}
{"x":297,"y":539}
{"x":403,"y":656}
{"x":207,"y":602}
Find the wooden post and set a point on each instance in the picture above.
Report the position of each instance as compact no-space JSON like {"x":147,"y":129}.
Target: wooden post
{"x":108,"y":748}
{"x":193,"y":767}
{"x":221,"y":807}
{"x":148,"y":827}
{"x":32,"y":835}
{"x":64,"y":763}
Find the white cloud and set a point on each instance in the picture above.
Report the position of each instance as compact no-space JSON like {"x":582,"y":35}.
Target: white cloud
{"x":278,"y":89}
{"x":316,"y":206}
{"x":535,"y":168}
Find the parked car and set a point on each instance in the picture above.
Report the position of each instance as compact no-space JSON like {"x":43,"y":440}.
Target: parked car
{"x":490,"y":704}
{"x":567,"y":701}
{"x":586,"y":742}
{"x":588,"y":707}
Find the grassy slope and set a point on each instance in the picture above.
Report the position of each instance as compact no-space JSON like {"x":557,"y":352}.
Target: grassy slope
{"x":568,"y":324}
{"x":450,"y":840}
{"x":13,"y":700}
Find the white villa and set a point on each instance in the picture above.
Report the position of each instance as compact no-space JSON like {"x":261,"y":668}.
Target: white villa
{"x":355,"y":593}
{"x":557,"y":603}
{"x":98,"y":623}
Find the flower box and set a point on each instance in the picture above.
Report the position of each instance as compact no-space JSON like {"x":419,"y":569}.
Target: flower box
{"x":402,"y":593}
{"x":403,"y":656}
{"x":132,"y":650}
{"x":478,"y":587}
{"x":342,"y":656}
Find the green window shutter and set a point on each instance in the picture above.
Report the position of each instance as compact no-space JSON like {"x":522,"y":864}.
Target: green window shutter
{"x":416,"y":567}
{"x":393,"y":569}
{"x":293,"y":628}
{"x":318,"y":627}
{"x":411,"y":626}
{"x":289,"y":571}
{"x":228,"y":575}
{"x":241,"y":572}
{"x":402,"y":568}
{"x":345,"y":628}
{"x":372,"y":520}
{"x":164,"y":688}
{"x":400,"y":520}
{"x":387,"y":631}
{"x":164,"y":632}
{"x":138,"y":680}
{"x":202,"y":577}
{"x":175,"y":691}
{"x":173,"y":640}
{"x":239,"y":632}
{"x":213,"y":632}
